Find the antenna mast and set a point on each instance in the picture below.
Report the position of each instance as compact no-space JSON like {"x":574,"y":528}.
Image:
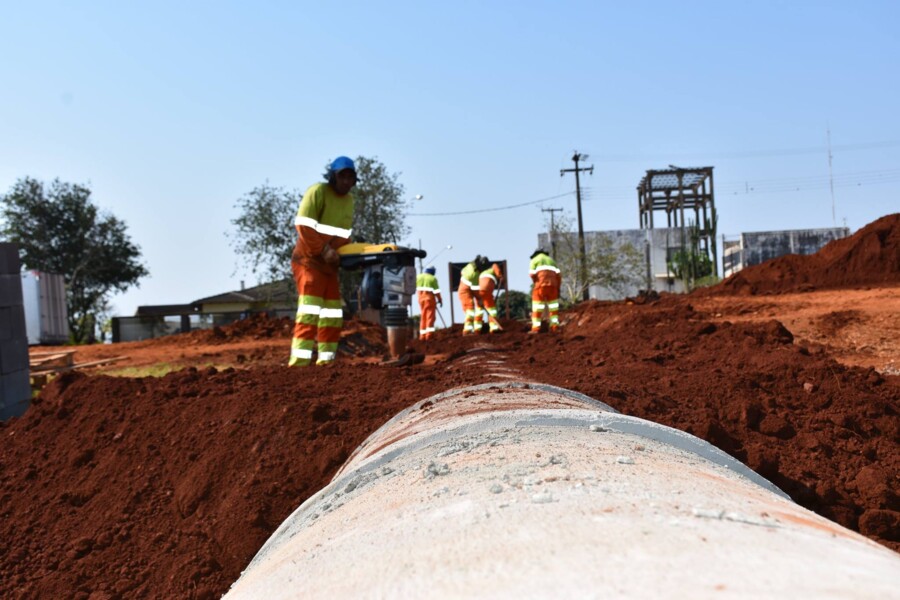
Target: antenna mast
{"x":830,"y":176}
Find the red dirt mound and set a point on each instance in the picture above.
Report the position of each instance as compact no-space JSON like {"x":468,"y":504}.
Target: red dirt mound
{"x":871,"y":256}
{"x":166,"y":487}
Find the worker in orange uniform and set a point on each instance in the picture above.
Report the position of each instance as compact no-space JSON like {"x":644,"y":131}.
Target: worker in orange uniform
{"x":545,"y":293}
{"x":429,"y":295}
{"x":468,"y":294}
{"x":487,"y":283}
{"x":324,"y":223}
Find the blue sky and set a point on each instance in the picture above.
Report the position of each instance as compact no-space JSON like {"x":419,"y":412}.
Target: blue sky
{"x":171,"y":111}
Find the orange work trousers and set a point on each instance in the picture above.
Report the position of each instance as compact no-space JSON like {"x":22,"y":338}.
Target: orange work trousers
{"x":486,"y":293}
{"x":319,"y":319}
{"x":469,"y":301}
{"x":544,"y":297}
{"x":428,"y":308}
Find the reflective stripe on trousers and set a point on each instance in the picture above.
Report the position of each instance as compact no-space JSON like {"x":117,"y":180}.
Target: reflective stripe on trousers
{"x":319,"y":319}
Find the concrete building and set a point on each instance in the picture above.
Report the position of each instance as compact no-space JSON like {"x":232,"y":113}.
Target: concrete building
{"x":660,"y":244}
{"x":757,"y":247}
{"x":657,"y":245}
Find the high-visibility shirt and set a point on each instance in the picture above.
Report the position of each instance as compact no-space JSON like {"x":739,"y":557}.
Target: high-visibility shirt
{"x":488,"y":274}
{"x":428,"y":284}
{"x":543,"y":270}
{"x":469,"y":277}
{"x":324,"y":217}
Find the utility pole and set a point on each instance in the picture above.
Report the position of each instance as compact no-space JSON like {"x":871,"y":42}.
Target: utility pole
{"x":552,"y":228}
{"x":583,"y":258}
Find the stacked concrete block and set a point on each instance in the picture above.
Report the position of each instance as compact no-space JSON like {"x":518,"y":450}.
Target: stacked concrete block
{"x":15,"y":385}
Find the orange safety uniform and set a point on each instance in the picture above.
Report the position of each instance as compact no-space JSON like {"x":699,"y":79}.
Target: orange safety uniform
{"x":487,"y":283}
{"x":429,"y":293}
{"x":468,"y":297}
{"x":545,"y":293}
{"x":324,"y":217}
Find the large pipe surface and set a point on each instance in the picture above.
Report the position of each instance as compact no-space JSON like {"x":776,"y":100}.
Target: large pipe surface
{"x":523,"y":490}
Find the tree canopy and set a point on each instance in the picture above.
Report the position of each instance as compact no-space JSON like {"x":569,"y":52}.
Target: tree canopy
{"x":519,"y":305}
{"x":380,"y":215}
{"x":59,"y":230}
{"x":264,"y":232}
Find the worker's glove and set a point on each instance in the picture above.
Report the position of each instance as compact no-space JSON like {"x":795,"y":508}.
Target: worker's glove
{"x":440,"y":303}
{"x":330,"y":255}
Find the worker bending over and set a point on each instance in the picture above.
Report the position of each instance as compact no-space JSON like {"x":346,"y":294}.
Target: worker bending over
{"x":429,"y":296}
{"x":545,"y":293}
{"x":324,"y":223}
{"x":468,"y":293}
{"x":488,"y":281}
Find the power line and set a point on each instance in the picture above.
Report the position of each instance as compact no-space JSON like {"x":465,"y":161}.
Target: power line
{"x":748,"y":153}
{"x":774,"y":186}
{"x":731,"y":188}
{"x":482,"y":210}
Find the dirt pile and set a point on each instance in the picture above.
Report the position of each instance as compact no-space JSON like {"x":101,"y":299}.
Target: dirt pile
{"x":256,"y":327}
{"x":358,"y":338}
{"x":871,"y":256}
{"x":166,"y":487}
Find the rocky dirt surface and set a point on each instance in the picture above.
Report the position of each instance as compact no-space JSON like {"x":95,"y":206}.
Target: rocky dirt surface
{"x":163,"y":487}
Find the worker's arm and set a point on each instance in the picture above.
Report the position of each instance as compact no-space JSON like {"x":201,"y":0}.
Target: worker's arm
{"x":314,"y":235}
{"x":311,"y":241}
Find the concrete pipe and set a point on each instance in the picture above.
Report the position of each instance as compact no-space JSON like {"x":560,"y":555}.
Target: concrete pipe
{"x":522,"y":490}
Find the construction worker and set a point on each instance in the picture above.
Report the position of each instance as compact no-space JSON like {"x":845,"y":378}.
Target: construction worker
{"x":487,"y":283}
{"x":429,"y":291}
{"x":468,"y":293}
{"x":324,"y":223}
{"x":545,"y":292}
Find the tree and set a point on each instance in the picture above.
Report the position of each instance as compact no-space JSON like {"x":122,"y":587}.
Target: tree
{"x":59,"y":230}
{"x":380,"y":206}
{"x":616,"y":267}
{"x":264,"y":234}
{"x":692,"y":264}
{"x":519,"y":305}
{"x":264,"y":230}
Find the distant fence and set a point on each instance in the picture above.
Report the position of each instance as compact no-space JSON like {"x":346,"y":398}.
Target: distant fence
{"x":134,"y":329}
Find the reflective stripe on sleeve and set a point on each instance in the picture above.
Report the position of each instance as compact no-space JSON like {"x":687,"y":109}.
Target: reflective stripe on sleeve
{"x":322,"y":228}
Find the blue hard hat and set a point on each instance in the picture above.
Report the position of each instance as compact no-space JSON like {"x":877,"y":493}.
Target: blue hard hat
{"x":430,"y":270}
{"x":341,"y":163}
